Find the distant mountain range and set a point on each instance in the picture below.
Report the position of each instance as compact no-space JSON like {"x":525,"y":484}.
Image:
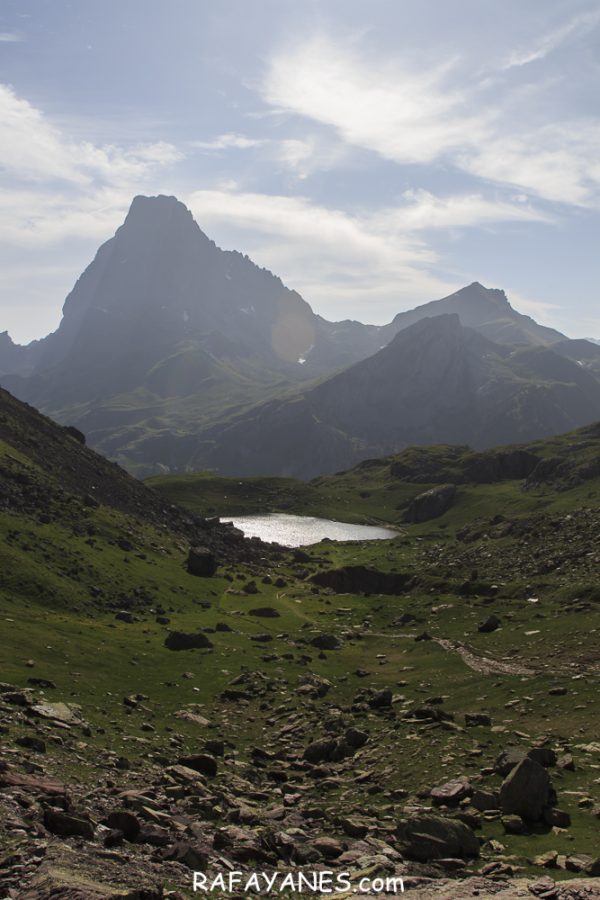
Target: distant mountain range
{"x":174,"y":354}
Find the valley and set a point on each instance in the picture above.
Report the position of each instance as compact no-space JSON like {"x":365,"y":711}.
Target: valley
{"x":340,"y":696}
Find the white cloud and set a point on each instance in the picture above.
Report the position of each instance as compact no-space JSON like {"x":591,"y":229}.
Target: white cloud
{"x":343,"y":263}
{"x":10,"y":37}
{"x":406,"y":116}
{"x":425,"y":211}
{"x":32,"y":149}
{"x":550,"y":41}
{"x":488,"y":129}
{"x":228,"y":142}
{"x":55,"y":188}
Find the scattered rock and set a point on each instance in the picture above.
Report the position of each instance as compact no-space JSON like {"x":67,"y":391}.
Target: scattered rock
{"x":180,"y":640}
{"x":526,"y":791}
{"x":429,"y":837}
{"x":201,"y":562}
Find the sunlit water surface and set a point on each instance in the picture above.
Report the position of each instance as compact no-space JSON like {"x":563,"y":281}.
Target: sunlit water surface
{"x":297,"y":531}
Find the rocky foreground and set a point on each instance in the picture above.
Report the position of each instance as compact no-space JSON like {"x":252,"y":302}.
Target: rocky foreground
{"x":142,"y":830}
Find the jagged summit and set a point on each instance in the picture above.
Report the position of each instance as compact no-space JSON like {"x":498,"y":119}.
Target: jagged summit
{"x":487,"y":310}
{"x":165,"y":336}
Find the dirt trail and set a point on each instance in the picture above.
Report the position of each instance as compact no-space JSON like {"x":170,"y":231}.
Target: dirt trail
{"x":486,"y":665}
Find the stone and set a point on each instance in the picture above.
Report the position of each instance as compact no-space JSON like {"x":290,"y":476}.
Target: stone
{"x":513,"y":824}
{"x":556,"y":818}
{"x":578,"y":862}
{"x":430,"y":504}
{"x":320,"y":750}
{"x":325,"y":642}
{"x":526,"y":791}
{"x":451,"y":793}
{"x":33,"y":783}
{"x":202,"y":763}
{"x":201,"y":562}
{"x":473,"y":720}
{"x":428,"y":837}
{"x":329,"y":847}
{"x":543,"y":755}
{"x":265,"y":612}
{"x":381,"y":699}
{"x":194,"y":856}
{"x":356,"y":738}
{"x":566,"y":762}
{"x":125,"y":822}
{"x":64,"y":825}
{"x":485,"y":800}
{"x":354,"y":828}
{"x":29,"y":742}
{"x":215,"y":746}
{"x":507,"y":760}
{"x":59,"y":712}
{"x":492,"y":623}
{"x":180,"y":640}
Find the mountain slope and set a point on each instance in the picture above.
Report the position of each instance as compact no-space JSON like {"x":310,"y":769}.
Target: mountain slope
{"x":125,"y":766}
{"x":437,"y":381}
{"x":486,"y":310}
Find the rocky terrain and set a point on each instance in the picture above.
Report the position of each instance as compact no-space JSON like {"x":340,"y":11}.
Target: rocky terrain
{"x":176,"y":699}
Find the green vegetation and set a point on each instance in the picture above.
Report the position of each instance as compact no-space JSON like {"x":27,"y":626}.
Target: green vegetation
{"x":70,"y":567}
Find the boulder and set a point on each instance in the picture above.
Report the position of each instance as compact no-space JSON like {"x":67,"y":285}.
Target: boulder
{"x":473,"y":720}
{"x":356,"y":738}
{"x":526,"y":791}
{"x":429,"y":837}
{"x":325,"y":642}
{"x":200,"y":762}
{"x":64,"y":825}
{"x":125,"y":822}
{"x":451,"y":793}
{"x":507,"y":760}
{"x":265,"y":612}
{"x":362,"y":580}
{"x":497,"y":465}
{"x":556,"y":818}
{"x":430,"y":504}
{"x":545,"y":756}
{"x":492,"y":623}
{"x":180,"y":640}
{"x":319,"y":751}
{"x":381,"y":699}
{"x":201,"y":562}
{"x":485,"y":800}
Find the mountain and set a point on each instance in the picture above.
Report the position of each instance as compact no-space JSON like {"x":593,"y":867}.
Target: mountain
{"x":436,"y":382}
{"x":166,"y":340}
{"x":164,"y":330}
{"x":487,"y":311}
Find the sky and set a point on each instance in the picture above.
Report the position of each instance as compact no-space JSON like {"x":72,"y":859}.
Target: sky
{"x":375,"y":154}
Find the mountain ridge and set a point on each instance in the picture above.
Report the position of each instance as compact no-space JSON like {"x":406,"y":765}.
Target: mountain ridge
{"x":165,"y":338}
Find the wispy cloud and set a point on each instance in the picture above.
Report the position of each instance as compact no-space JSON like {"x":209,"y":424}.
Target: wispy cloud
{"x":443,"y":117}
{"x":10,"y":37}
{"x":54,"y":187}
{"x":228,"y":142}
{"x":32,"y":149}
{"x":540,"y":48}
{"x":330,"y":255}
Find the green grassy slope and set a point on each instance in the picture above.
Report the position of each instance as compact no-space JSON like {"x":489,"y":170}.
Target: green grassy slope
{"x":66,"y":576}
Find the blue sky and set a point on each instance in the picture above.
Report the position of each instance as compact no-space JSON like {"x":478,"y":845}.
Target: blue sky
{"x":374,"y":154}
